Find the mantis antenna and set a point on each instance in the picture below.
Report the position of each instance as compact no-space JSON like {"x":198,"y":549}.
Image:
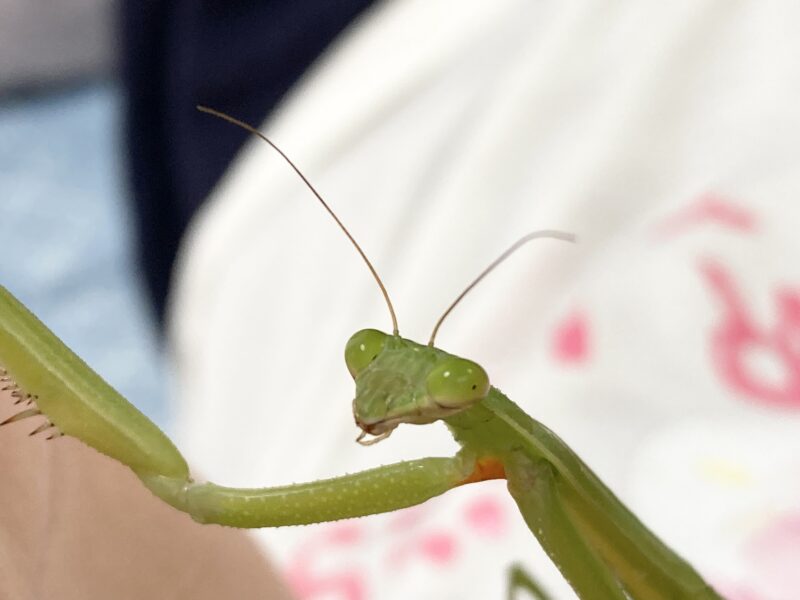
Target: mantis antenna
{"x":544,"y":233}
{"x":256,"y":132}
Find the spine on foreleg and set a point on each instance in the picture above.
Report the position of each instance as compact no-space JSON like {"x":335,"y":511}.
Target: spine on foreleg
{"x":75,"y":399}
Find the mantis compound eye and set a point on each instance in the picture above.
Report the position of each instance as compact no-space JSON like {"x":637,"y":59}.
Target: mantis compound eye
{"x":362,"y":348}
{"x":457,"y":382}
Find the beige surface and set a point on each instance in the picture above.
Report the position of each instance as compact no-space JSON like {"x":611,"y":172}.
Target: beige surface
{"x":75,"y":525}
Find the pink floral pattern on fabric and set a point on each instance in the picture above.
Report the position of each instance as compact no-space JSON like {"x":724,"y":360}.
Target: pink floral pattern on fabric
{"x":709,"y":209}
{"x":570,"y":342}
{"x":329,"y":563}
{"x":737,"y":339}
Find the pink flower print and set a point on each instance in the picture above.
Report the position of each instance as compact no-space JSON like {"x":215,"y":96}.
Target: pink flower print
{"x":736,"y":336}
{"x":709,"y":209}
{"x":570,"y":342}
{"x":308,"y":579}
{"x":774,"y":554}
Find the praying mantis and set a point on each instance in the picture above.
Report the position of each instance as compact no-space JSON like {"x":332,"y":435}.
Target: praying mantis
{"x":600,"y":547}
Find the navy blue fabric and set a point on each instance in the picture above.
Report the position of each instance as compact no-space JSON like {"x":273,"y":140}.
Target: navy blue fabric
{"x":238,"y":56}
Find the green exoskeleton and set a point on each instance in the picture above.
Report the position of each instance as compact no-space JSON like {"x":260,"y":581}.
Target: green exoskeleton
{"x":601,"y":548}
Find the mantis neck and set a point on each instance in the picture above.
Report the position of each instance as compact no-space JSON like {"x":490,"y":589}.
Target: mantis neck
{"x":497,"y":427}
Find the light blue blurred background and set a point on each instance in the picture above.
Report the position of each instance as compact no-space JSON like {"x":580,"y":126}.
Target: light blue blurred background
{"x":67,"y":247}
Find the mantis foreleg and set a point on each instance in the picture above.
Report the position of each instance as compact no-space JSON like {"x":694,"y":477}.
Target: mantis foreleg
{"x":76,"y":399}
{"x":382,"y":489}
{"x":78,"y":402}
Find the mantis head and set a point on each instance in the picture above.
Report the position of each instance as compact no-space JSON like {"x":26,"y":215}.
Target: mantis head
{"x":401,"y":381}
{"x":397,"y":380}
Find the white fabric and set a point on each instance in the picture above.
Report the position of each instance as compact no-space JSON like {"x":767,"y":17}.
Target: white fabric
{"x":663,"y":347}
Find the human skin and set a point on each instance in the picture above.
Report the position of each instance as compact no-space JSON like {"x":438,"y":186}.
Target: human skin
{"x":75,"y":525}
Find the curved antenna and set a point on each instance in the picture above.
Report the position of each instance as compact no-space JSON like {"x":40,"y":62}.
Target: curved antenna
{"x":544,"y":233}
{"x":256,"y":132}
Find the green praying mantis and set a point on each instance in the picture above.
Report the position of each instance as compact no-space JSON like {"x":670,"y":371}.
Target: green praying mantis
{"x":600,"y":547}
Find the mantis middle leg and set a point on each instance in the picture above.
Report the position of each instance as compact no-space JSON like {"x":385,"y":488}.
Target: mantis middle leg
{"x":519,"y":579}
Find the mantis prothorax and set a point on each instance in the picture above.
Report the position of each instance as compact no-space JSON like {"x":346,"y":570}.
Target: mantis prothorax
{"x":601,"y":548}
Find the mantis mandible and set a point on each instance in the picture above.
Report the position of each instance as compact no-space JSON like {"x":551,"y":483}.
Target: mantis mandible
{"x":600,"y":547}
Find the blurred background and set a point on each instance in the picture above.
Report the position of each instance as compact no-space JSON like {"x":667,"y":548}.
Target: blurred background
{"x":67,"y":223}
{"x":104,"y":160}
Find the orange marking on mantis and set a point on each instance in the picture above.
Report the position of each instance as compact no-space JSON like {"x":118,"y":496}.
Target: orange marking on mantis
{"x":485,"y":468}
